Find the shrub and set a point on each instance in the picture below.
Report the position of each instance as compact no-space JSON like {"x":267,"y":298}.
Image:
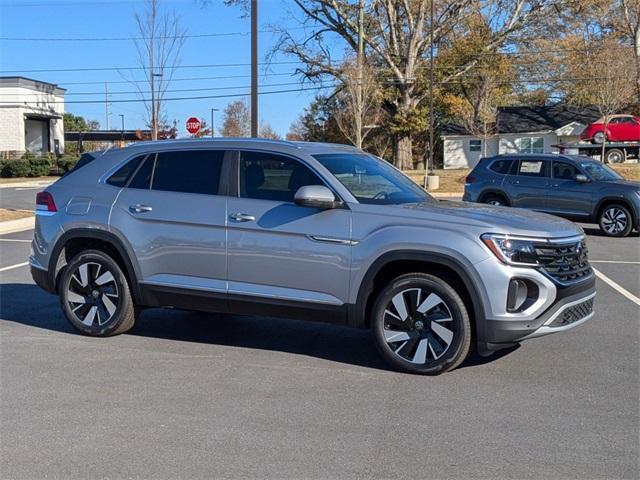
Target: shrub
{"x":38,"y":167}
{"x":15,"y":168}
{"x":67,"y":163}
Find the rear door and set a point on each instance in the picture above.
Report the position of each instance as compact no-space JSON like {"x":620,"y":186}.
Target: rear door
{"x":528,"y":183}
{"x":281,"y":253}
{"x":627,"y":129}
{"x":567,"y":196}
{"x":173,"y":212}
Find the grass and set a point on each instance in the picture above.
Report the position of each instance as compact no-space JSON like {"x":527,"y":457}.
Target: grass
{"x":452,"y":181}
{"x":9,"y":214}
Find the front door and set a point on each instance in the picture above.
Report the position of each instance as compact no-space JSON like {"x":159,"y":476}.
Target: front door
{"x":527,"y":187}
{"x":566,"y":196}
{"x":291,"y":257}
{"x":174,"y":216}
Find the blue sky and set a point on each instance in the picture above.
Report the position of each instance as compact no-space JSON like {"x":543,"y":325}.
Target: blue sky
{"x":103,"y":18}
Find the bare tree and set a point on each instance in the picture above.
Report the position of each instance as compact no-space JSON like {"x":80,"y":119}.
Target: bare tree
{"x":358,"y":99}
{"x":237,"y":120}
{"x":159,"y":41}
{"x":631,"y":14}
{"x":397,"y":35}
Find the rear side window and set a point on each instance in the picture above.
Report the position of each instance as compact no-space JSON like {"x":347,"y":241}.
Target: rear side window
{"x":501,"y":166}
{"x":188,"y":171}
{"x":533,"y":168}
{"x":119,"y":179}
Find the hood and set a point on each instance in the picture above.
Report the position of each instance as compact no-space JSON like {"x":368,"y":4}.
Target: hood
{"x":493,"y":219}
{"x":626,"y":184}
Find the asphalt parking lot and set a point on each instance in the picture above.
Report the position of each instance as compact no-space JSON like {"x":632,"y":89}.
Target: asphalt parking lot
{"x":189,"y":395}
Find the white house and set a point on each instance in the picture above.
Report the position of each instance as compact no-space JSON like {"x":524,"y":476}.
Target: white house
{"x":30,"y":117}
{"x":523,"y":129}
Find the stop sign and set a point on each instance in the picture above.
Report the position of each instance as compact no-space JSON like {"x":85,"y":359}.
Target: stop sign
{"x":193,"y":125}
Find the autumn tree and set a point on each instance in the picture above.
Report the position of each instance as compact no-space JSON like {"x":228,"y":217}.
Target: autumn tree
{"x":267,"y":131}
{"x":472,"y":100}
{"x":631,"y":21}
{"x":236,"y":120}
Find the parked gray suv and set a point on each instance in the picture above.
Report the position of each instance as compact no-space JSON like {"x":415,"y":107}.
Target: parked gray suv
{"x":575,"y":187}
{"x":304,"y":230}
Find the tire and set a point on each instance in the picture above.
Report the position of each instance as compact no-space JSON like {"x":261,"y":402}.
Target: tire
{"x":615,"y":220}
{"x":615,"y":155}
{"x":598,"y":138}
{"x":95,"y":295}
{"x":495,"y":200}
{"x":435,"y":335}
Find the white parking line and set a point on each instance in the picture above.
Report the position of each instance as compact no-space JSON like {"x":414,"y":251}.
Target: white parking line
{"x":616,"y":286}
{"x":11,"y":267}
{"x":14,"y":240}
{"x":615,"y":261}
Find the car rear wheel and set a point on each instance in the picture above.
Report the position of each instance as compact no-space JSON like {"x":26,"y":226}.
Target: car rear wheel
{"x":615,"y":155}
{"x":615,"y":220}
{"x":598,"y":137}
{"x":95,"y":295}
{"x":495,"y":200}
{"x":421,"y":325}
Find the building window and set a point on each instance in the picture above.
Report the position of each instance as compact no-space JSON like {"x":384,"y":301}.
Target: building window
{"x":530,"y":145}
{"x":475,"y":145}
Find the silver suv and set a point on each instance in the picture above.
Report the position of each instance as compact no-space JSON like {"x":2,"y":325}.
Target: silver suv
{"x":310,"y":231}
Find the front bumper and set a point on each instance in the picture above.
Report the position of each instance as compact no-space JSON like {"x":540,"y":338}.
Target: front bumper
{"x":573,"y":306}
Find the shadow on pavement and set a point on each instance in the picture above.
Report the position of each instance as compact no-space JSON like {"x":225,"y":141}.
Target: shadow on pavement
{"x":28,"y":305}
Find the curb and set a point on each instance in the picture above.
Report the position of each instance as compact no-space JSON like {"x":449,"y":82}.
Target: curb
{"x":445,"y":194}
{"x":18,"y":225}
{"x":27,"y":184}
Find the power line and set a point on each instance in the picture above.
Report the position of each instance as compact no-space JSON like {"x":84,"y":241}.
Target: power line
{"x":105,"y":69}
{"x":202,"y":97}
{"x":189,"y":79}
{"x":124,"y":39}
{"x":135,"y":92}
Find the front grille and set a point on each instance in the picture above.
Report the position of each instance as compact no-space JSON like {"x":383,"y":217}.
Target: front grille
{"x":564,"y":262}
{"x":573,"y":314}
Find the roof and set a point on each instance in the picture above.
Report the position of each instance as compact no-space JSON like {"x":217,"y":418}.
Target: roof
{"x":528,"y":118}
{"x":257,"y":143}
{"x":31,"y":84}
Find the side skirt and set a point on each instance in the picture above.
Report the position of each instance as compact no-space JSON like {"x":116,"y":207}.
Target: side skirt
{"x":218,"y":302}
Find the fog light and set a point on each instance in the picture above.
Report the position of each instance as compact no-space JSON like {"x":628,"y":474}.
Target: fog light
{"x":517,"y":295}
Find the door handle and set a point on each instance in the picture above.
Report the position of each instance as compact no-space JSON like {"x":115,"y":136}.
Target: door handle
{"x":242,"y":217}
{"x":139,"y":208}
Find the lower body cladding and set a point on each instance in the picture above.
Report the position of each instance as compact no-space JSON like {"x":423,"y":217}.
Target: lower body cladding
{"x":572,"y":306}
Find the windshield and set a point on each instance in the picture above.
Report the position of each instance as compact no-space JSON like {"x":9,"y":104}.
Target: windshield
{"x":372,"y":180}
{"x":600,"y":172}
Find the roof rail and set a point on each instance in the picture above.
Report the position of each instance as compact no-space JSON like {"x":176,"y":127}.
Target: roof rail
{"x":220,"y":139}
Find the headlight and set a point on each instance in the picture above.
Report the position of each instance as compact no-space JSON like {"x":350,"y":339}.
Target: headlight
{"x":512,"y":250}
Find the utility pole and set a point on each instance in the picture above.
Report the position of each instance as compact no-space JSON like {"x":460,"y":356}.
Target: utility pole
{"x":122,"y":127}
{"x":359,"y":99}
{"x":213,"y":125}
{"x":254,"y":68}
{"x":106,"y":106}
{"x":429,"y":166}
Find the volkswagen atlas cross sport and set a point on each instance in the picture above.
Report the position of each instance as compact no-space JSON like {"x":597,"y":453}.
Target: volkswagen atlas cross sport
{"x":575,"y":187}
{"x":309,"y":231}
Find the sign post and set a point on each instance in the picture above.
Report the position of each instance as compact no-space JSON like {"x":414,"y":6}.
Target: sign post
{"x":193,"y":125}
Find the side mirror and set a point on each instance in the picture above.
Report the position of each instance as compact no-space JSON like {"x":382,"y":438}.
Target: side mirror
{"x":581,"y":178}
{"x":316,"y":196}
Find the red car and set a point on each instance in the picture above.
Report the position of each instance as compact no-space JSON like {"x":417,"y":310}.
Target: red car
{"x":621,"y":128}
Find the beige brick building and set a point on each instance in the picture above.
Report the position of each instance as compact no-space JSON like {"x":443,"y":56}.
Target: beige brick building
{"x":30,"y":117}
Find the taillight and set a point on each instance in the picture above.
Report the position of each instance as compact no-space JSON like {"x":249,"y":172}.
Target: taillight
{"x":45,"y":202}
{"x":470,"y":179}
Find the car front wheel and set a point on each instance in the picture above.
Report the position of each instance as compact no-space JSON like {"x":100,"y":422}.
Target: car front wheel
{"x":615,"y":220}
{"x":95,"y":295}
{"x":421,"y":325}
